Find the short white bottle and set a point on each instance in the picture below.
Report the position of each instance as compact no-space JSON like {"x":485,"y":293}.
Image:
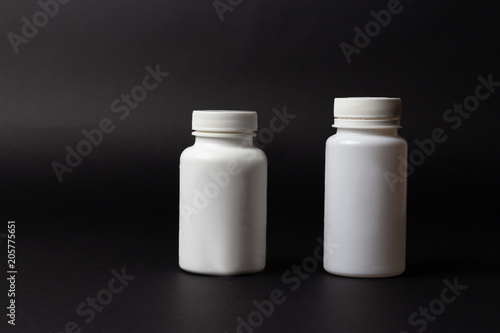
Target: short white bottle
{"x":365,"y":189}
{"x":223,"y":185}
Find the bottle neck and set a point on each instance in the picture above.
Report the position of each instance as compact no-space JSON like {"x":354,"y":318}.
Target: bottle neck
{"x":369,"y":121}
{"x":224,"y":138}
{"x":389,"y":131}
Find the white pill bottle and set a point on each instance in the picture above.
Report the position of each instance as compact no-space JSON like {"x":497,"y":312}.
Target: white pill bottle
{"x":223,"y":186}
{"x":365,"y":189}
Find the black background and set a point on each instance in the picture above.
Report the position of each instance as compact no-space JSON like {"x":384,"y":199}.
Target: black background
{"x":119,"y":207}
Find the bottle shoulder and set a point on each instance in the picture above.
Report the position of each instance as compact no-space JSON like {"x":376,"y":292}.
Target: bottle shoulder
{"x":365,"y":139}
{"x":223,"y":153}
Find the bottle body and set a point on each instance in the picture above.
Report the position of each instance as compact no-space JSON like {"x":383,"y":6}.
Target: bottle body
{"x":223,"y":184}
{"x":365,"y":209}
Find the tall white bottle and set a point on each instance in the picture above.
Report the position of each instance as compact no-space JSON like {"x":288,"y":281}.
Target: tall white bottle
{"x":365,"y":189}
{"x":223,"y":184}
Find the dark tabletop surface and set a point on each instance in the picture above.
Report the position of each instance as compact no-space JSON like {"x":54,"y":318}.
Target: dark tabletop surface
{"x":66,"y":267}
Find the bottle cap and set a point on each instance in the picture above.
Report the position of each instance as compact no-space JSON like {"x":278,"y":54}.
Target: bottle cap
{"x":367,"y":111}
{"x":224,"y":121}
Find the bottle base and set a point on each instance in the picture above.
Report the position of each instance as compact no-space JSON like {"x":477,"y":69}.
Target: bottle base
{"x":366,"y":275}
{"x":222,"y":272}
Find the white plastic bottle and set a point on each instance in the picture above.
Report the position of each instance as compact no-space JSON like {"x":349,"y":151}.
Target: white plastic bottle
{"x":223,"y":185}
{"x":365,"y":190}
